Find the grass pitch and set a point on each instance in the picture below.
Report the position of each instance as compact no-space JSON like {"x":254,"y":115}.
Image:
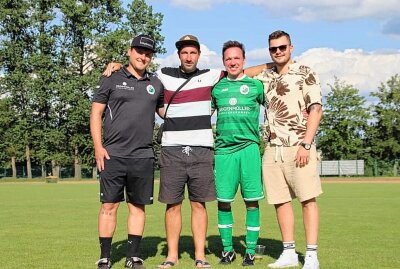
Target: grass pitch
{"x":53,"y":226}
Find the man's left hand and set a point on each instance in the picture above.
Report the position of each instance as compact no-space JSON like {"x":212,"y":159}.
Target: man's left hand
{"x":302,"y":157}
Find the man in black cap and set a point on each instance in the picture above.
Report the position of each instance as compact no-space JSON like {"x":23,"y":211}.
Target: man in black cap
{"x":127,"y":101}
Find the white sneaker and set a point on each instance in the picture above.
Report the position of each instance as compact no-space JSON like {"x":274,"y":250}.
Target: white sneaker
{"x":287,"y":259}
{"x":311,"y":262}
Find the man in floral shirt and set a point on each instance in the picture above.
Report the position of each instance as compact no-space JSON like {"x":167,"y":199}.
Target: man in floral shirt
{"x":290,"y":158}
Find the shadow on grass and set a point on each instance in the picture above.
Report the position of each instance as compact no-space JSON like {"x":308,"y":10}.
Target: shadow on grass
{"x":273,"y":248}
{"x":151,"y":245}
{"x":148,"y":248}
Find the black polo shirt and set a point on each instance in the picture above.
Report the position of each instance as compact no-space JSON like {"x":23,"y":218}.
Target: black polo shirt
{"x":129,"y":115}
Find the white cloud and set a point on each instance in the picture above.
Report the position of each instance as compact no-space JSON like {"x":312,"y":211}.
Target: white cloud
{"x":364,"y":70}
{"x":256,"y":55}
{"x":310,"y":10}
{"x":194,"y":4}
{"x":208,"y":59}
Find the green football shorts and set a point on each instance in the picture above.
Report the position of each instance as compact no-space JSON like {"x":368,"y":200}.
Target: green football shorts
{"x":239,"y":168}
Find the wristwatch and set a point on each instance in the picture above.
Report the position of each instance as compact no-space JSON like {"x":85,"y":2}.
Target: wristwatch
{"x":306,"y":145}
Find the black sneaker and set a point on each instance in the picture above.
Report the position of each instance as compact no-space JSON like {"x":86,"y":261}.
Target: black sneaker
{"x":103,"y":263}
{"x":227,"y":257}
{"x":134,"y":262}
{"x":248,"y":260}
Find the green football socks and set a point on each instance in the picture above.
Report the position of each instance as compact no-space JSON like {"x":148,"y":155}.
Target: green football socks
{"x":225,"y":223}
{"x":252,"y":229}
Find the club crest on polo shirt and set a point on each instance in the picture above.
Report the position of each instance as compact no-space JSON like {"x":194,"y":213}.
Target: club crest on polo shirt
{"x":244,"y":89}
{"x":150,"y":89}
{"x":124,"y":86}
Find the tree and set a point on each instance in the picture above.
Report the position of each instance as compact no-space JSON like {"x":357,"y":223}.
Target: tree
{"x":142,"y":20}
{"x":342,"y":130}
{"x":84,"y":26}
{"x":156,"y":146}
{"x":52,"y":54}
{"x":45,"y":70}
{"x":384,"y":135}
{"x":16,"y":47}
{"x":6,"y":119}
{"x":139,"y":18}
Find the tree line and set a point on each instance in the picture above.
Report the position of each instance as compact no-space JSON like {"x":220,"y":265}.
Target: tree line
{"x":52,"y":54}
{"x":51,"y":57}
{"x":354,"y":128}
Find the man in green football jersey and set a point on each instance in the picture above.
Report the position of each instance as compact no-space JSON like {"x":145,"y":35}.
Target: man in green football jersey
{"x":237,"y":99}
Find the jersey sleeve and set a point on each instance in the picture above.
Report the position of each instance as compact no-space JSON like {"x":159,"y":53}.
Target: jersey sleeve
{"x":312,"y":89}
{"x":102,"y":93}
{"x":160,"y":100}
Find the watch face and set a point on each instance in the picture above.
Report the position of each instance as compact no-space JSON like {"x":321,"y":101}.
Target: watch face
{"x":306,"y":146}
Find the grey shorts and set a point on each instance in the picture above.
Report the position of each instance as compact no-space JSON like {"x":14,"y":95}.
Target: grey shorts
{"x":191,"y":166}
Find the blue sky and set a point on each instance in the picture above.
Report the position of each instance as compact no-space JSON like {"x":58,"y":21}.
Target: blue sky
{"x":357,"y":41}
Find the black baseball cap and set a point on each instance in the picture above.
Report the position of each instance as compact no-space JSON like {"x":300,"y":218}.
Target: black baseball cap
{"x":144,"y":41}
{"x":187,"y":40}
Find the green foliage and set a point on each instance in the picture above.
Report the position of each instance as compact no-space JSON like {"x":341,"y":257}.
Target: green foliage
{"x":142,"y":20}
{"x":17,"y":45}
{"x":139,"y":19}
{"x":52,"y":54}
{"x":345,"y":120}
{"x":84,"y":23}
{"x":156,"y":146}
{"x":262,"y":140}
{"x":384,"y":134}
{"x":6,"y":120}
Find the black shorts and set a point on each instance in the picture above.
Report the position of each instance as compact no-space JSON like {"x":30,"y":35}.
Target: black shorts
{"x":193,"y":166}
{"x":135,"y":176}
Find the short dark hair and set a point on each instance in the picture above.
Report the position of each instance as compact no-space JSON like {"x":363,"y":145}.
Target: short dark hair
{"x":278,"y":34}
{"x":233,"y":44}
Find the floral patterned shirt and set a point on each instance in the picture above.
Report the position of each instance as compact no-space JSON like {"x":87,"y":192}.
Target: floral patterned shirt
{"x":286,"y":96}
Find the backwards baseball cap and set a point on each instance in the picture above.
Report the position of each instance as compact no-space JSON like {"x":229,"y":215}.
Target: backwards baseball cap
{"x":187,"y":40}
{"x":144,"y":41}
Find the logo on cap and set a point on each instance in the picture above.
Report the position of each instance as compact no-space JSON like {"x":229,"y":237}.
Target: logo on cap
{"x":146,"y":42}
{"x":143,"y":41}
{"x":190,"y":40}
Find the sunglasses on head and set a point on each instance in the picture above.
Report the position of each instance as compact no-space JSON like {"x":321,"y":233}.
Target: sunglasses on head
{"x":275,"y":49}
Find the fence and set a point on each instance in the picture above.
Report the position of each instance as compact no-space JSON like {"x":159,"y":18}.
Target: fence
{"x":369,"y":168}
{"x":341,"y":167}
{"x":65,"y":172}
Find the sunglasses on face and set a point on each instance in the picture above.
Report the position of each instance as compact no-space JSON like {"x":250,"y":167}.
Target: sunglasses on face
{"x":275,"y":49}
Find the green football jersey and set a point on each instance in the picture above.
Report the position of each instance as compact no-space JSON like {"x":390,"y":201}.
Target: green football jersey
{"x":238,"y":108}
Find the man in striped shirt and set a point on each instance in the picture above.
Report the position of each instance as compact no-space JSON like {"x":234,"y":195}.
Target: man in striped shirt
{"x":187,"y":154}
